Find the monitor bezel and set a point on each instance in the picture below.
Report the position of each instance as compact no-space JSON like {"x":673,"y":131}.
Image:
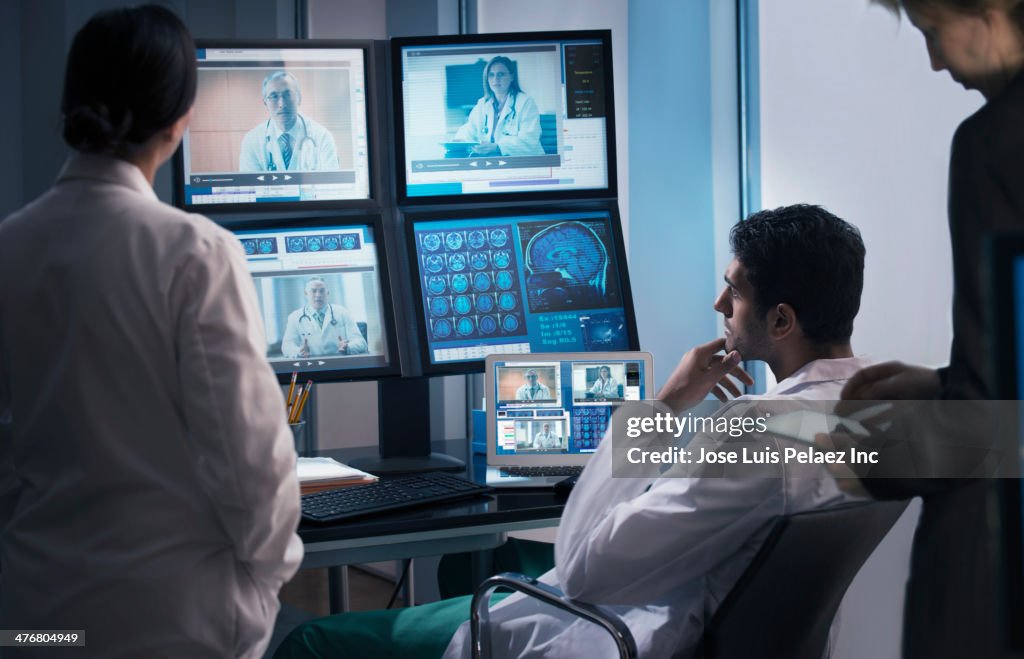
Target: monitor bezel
{"x":376,"y":222}
{"x":1004,"y":249}
{"x":411,"y":217}
{"x":398,"y":118}
{"x":373,"y":137}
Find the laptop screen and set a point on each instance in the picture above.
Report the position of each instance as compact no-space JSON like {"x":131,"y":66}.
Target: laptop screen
{"x":560,"y":407}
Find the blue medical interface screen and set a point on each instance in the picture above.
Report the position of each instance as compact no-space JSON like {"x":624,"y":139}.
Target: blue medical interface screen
{"x":319,"y":295}
{"x":519,"y":284}
{"x":273,"y":125}
{"x":560,"y":406}
{"x":491,"y":118}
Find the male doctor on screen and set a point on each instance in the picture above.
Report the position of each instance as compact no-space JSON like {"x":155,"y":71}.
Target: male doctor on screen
{"x":532,"y":389}
{"x":320,"y":328}
{"x":288,"y":140}
{"x":545,"y":438}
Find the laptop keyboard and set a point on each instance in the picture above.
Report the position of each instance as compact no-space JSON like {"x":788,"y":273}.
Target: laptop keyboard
{"x":508,"y":471}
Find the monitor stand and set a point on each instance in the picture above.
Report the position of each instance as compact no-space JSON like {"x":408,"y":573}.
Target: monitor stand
{"x":403,"y":411}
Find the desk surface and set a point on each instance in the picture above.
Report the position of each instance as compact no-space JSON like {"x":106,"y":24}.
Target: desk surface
{"x":504,"y":510}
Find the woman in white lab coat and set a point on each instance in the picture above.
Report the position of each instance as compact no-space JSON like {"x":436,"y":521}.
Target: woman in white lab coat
{"x":147,"y":485}
{"x":605,"y":385}
{"x":505,"y":121}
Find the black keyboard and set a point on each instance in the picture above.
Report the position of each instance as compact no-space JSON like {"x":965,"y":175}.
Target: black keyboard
{"x":386,"y":495}
{"x":536,"y":472}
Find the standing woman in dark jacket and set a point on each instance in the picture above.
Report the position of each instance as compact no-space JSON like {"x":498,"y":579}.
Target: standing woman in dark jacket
{"x":952,"y":599}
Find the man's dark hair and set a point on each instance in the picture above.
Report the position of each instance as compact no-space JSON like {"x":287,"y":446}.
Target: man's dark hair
{"x":808,"y":258}
{"x":131,"y":73}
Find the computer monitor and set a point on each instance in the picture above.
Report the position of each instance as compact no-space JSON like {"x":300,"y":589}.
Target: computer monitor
{"x":518,"y":281}
{"x":504,"y":117}
{"x":277,"y":125}
{"x":1007,"y":269}
{"x":324,"y":296}
{"x":570,"y":414}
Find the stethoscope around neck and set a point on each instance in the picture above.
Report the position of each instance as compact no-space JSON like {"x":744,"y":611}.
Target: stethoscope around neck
{"x":309,"y":320}
{"x":497,"y":114}
{"x":306,"y":145}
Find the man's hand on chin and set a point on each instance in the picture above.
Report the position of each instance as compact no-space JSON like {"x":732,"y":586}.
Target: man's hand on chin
{"x":702,"y":371}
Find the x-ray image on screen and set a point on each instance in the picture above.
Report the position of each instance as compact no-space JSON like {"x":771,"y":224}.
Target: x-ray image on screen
{"x":568,"y":266}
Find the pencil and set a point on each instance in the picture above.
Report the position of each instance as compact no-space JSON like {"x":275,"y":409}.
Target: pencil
{"x":301,"y":402}
{"x":291,"y":390}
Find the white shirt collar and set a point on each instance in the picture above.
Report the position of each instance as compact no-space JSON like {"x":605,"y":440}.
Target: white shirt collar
{"x":820,"y":371}
{"x":295,"y":131}
{"x":106,"y":168}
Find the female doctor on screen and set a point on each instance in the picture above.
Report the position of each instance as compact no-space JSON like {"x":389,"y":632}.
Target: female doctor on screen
{"x":505,"y":122}
{"x":147,"y":473}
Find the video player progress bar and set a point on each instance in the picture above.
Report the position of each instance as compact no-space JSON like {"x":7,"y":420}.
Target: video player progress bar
{"x":479,"y":352}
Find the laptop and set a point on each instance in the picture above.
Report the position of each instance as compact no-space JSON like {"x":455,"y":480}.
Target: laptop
{"x":548,"y":412}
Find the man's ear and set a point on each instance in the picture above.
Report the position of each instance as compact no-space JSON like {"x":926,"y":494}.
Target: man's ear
{"x":782,"y":322}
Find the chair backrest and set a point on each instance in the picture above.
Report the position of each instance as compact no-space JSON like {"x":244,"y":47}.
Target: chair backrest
{"x":784,"y":603}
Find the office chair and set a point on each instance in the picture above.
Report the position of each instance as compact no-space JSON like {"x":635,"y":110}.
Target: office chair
{"x":782,"y":605}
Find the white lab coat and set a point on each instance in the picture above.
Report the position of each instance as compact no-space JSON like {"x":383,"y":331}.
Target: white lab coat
{"x":518,"y":129}
{"x":147,"y":475}
{"x":662,"y":558}
{"x":261,"y":148}
{"x":322,"y":340}
{"x":607,"y":388}
{"x":537,"y":392}
{"x":546,"y":440}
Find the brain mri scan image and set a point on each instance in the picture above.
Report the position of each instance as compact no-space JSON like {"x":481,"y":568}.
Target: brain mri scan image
{"x":567,"y":267}
{"x":471,"y":282}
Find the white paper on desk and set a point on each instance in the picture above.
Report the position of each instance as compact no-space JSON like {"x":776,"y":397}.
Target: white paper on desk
{"x":311,"y":470}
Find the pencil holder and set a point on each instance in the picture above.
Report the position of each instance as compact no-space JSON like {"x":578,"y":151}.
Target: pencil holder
{"x":301,"y":436}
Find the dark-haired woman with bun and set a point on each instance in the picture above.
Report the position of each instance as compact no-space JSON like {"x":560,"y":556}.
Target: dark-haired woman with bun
{"x":147,"y":485}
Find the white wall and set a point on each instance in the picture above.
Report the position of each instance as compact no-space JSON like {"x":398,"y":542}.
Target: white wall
{"x":853,"y":118}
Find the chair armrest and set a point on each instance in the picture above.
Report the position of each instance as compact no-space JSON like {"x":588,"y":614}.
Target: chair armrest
{"x":550,"y":595}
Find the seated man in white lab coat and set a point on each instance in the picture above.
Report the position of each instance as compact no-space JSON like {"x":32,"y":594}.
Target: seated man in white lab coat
{"x":320,"y":328}
{"x":663,"y":552}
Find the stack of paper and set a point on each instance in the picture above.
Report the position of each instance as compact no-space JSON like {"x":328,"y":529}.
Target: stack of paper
{"x":316,"y":474}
